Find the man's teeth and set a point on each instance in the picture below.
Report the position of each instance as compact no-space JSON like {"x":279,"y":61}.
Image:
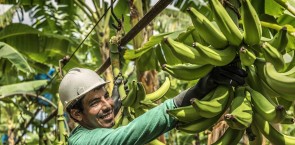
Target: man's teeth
{"x":106,"y":116}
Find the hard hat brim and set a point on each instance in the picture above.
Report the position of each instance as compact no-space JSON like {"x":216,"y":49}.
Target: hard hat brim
{"x":77,"y":98}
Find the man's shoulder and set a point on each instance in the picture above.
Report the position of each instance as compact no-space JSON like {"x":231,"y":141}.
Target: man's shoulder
{"x":84,"y":135}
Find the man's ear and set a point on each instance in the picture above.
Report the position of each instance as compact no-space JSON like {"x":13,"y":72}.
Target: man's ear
{"x":76,"y":114}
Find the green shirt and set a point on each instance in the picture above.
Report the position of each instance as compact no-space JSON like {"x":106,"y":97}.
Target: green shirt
{"x":140,"y":131}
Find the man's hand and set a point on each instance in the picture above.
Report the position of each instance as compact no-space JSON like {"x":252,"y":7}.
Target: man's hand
{"x":229,"y":75}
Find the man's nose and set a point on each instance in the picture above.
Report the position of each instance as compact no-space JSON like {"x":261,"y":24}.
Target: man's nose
{"x":107,"y":103}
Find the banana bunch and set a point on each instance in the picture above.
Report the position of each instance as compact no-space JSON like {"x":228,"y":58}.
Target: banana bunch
{"x":240,"y":113}
{"x":200,"y":116}
{"x":138,"y":101}
{"x":269,"y":92}
{"x":265,"y":99}
{"x":215,"y":105}
{"x":215,"y":44}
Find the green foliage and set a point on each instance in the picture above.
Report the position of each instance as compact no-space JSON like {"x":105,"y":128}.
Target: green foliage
{"x":25,"y":87}
{"x":59,"y":28}
{"x":14,"y":57}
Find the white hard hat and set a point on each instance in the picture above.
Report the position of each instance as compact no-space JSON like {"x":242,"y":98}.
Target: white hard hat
{"x":76,"y":83}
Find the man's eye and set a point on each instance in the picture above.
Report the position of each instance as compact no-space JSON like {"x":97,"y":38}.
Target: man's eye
{"x":107,"y":95}
{"x":94,"y":103}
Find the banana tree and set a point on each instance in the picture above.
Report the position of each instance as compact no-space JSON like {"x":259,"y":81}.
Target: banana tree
{"x":22,"y":45}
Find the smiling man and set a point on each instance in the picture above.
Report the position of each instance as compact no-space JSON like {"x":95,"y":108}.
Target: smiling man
{"x":85,"y":99}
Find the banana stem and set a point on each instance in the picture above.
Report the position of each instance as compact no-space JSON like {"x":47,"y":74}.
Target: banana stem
{"x":61,"y":124}
{"x":276,"y":27}
{"x":286,"y":5}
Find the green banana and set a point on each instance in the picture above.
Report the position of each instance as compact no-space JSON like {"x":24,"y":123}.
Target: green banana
{"x":156,"y":142}
{"x":290,"y":65}
{"x":265,"y":108}
{"x":127,"y":116}
{"x":201,"y":54}
{"x":225,"y":23}
{"x":207,"y":31}
{"x":252,"y":79}
{"x":232,"y":12}
{"x":256,"y":79}
{"x":147,"y":104}
{"x":189,"y":113}
{"x":214,"y":56}
{"x":251,"y":23}
{"x":187,"y":71}
{"x":240,"y":114}
{"x":131,"y":97}
{"x":158,"y":94}
{"x":267,"y":88}
{"x":185,"y":114}
{"x":215,"y":105}
{"x":255,"y":136}
{"x":279,"y":81}
{"x":140,"y":95}
{"x":280,"y":40}
{"x":125,"y":120}
{"x":197,"y":37}
{"x":271,"y":133}
{"x":263,"y":88}
{"x":273,"y":56}
{"x":230,"y":137}
{"x":139,"y":111}
{"x":169,"y":56}
{"x":184,"y":52}
{"x":198,"y":125}
{"x":160,"y":55}
{"x":247,"y":56}
{"x":118,"y":118}
{"x":186,"y":37}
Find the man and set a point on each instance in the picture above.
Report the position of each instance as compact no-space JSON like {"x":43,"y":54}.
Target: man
{"x":86,"y":100}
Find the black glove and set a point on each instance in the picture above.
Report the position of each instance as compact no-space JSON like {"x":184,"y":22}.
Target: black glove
{"x":116,"y":96}
{"x":229,"y":75}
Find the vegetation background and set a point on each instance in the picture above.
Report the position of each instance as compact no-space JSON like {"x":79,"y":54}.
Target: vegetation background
{"x":36,"y":37}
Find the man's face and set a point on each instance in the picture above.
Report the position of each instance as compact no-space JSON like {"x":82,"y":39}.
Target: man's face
{"x":98,"y":109}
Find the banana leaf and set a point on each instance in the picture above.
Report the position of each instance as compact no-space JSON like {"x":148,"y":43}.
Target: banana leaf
{"x":16,"y":58}
{"x":273,"y":8}
{"x":44,"y":48}
{"x":154,"y":40}
{"x":25,"y":87}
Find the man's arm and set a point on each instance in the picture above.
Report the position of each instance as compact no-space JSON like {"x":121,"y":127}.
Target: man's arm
{"x":142,"y":130}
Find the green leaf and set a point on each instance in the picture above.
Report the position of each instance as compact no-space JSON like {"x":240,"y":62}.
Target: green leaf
{"x":17,"y":29}
{"x":286,"y":19}
{"x":132,"y":54}
{"x":45,"y":48}
{"x":25,"y":87}
{"x":291,"y":43}
{"x":258,"y":6}
{"x":16,"y":58}
{"x":273,"y":8}
{"x":149,"y":57}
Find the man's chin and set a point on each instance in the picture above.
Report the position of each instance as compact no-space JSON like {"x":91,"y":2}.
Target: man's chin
{"x":109,"y":125}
